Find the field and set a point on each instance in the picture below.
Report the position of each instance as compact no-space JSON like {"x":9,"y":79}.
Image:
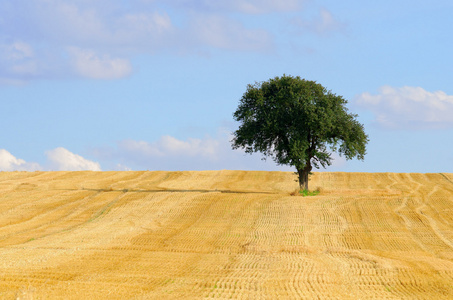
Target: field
{"x":225,"y":235}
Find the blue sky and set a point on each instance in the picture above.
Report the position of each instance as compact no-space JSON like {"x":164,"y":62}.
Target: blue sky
{"x":153,"y":84}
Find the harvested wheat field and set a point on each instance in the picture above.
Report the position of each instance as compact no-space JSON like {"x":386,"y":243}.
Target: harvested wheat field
{"x":225,"y":235}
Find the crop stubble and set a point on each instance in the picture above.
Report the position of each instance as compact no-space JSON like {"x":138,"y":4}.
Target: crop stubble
{"x":225,"y":234}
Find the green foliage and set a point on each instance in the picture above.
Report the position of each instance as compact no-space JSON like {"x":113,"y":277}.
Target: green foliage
{"x":297,"y":122}
{"x":305,"y":193}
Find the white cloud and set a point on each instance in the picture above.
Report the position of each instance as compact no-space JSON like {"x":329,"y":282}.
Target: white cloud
{"x":104,"y":25}
{"x":168,"y":146}
{"x":172,"y":154}
{"x":142,"y":24}
{"x":88,"y":64}
{"x":409,"y":107}
{"x":120,"y":167}
{"x":92,"y":39}
{"x":61,"y":159}
{"x":17,"y":51}
{"x":65,"y":21}
{"x":323,"y":24}
{"x":167,"y":153}
{"x":223,"y":33}
{"x":18,"y":58}
{"x":58,"y":159}
{"x":9,"y":162}
{"x":242,"y":6}
{"x":266,"y":6}
{"x":97,"y":39}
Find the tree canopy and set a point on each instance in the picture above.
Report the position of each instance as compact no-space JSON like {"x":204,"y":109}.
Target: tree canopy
{"x":299,"y":123}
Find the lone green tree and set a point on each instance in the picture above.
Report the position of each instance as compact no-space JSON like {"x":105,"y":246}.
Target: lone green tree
{"x":299,"y":123}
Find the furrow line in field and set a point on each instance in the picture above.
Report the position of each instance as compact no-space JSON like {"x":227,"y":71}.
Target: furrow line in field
{"x":422,"y":211}
{"x":128,"y":182}
{"x":41,"y":220}
{"x":410,"y":218}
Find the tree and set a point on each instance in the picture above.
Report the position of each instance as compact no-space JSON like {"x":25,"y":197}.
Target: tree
{"x":296,"y":122}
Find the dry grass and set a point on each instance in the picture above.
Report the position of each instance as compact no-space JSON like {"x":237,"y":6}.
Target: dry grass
{"x":226,"y":235}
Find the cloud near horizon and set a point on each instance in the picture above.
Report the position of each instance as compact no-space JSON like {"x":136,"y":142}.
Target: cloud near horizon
{"x":409,"y":108}
{"x":58,"y":159}
{"x":167,"y":153}
{"x":61,"y":159}
{"x":170,"y":146}
{"x":209,"y":153}
{"x":170,"y":153}
{"x":9,"y":162}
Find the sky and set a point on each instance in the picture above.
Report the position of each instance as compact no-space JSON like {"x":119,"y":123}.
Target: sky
{"x":153,"y":84}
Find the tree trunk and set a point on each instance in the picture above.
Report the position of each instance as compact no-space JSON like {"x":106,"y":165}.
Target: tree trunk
{"x":303,"y":176}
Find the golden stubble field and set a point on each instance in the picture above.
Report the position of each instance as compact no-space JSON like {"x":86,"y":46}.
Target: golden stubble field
{"x":225,"y":235}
